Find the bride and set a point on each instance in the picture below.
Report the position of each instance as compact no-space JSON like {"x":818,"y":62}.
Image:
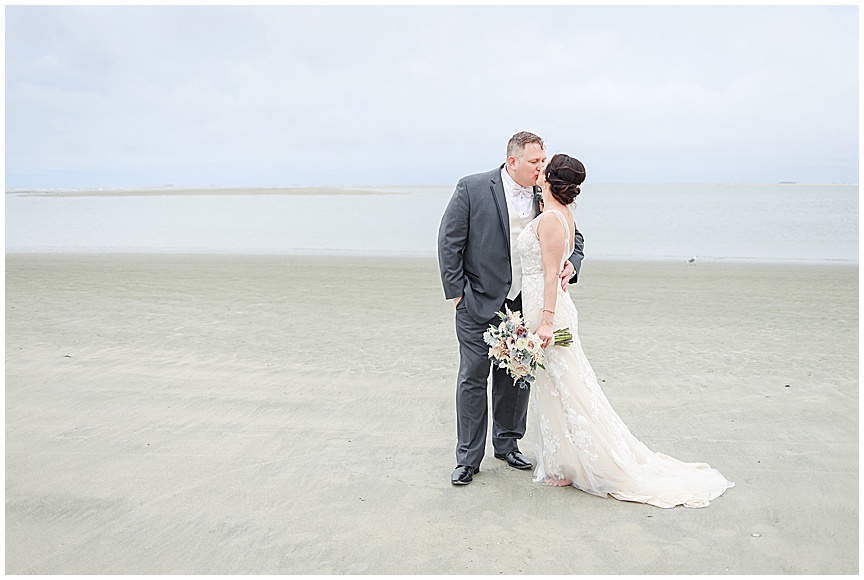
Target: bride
{"x":581,"y":440}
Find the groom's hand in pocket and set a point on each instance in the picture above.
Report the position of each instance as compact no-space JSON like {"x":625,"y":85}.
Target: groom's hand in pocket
{"x":456,"y":301}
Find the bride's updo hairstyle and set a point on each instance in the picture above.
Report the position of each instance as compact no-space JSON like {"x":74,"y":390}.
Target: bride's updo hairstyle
{"x":565,"y":174}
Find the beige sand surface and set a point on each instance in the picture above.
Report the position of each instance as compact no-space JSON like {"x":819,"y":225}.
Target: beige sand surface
{"x":200,"y":191}
{"x":296,"y":415}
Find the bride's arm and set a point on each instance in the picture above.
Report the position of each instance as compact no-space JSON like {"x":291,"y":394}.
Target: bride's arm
{"x":552,"y":241}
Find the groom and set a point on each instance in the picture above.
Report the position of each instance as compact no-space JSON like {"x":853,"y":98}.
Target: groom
{"x":481,"y":272}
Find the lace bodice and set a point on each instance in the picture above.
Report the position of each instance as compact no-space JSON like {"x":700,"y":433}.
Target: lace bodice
{"x":528,"y":246}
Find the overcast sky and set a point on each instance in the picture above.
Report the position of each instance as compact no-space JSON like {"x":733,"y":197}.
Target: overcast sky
{"x":291,"y":95}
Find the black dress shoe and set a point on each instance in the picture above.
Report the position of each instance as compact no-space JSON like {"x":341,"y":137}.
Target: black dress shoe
{"x":462,"y":475}
{"x":515,"y":459}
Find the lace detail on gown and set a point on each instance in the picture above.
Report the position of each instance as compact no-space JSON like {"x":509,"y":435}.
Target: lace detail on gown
{"x":580,"y":436}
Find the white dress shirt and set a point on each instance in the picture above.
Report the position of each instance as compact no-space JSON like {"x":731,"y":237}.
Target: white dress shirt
{"x":522,"y":197}
{"x":520,"y":209}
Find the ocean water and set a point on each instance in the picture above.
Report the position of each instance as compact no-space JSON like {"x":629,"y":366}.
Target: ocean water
{"x":763,"y":223}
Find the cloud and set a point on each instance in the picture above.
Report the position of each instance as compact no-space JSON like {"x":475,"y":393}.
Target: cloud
{"x":339,"y":94}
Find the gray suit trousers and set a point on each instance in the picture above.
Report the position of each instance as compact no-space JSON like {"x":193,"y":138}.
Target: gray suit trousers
{"x":509,"y":402}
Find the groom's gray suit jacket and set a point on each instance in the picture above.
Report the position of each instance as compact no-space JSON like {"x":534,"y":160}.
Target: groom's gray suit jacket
{"x":474,"y":245}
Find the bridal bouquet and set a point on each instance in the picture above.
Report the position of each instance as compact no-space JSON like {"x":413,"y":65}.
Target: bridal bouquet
{"x":512,"y":347}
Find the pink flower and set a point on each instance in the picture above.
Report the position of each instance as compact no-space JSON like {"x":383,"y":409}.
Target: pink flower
{"x":521,"y":370}
{"x":499,"y":350}
{"x":515,"y":318}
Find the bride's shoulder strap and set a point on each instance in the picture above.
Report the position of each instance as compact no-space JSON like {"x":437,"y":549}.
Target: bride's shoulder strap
{"x":562,"y":220}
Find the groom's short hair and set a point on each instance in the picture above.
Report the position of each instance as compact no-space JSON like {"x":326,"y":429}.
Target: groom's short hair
{"x":516,"y":144}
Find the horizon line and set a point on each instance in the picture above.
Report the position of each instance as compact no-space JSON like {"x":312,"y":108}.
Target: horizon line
{"x":169,"y":187}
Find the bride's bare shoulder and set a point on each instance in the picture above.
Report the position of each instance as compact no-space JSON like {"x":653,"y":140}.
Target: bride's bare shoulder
{"x":549,"y":226}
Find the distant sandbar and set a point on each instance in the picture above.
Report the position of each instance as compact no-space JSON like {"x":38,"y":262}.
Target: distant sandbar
{"x":197,"y":191}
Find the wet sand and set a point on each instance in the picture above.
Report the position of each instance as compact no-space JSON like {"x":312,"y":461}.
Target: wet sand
{"x":257,"y":415}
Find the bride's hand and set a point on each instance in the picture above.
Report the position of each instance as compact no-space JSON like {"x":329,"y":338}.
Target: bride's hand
{"x":545,"y":333}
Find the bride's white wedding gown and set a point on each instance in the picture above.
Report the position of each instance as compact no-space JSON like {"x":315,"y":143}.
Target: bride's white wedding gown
{"x":580,"y":437}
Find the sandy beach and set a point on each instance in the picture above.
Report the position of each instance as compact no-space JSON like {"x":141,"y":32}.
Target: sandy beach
{"x":262,"y":415}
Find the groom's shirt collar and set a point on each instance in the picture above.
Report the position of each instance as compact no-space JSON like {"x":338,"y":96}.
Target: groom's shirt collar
{"x":523,"y":204}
